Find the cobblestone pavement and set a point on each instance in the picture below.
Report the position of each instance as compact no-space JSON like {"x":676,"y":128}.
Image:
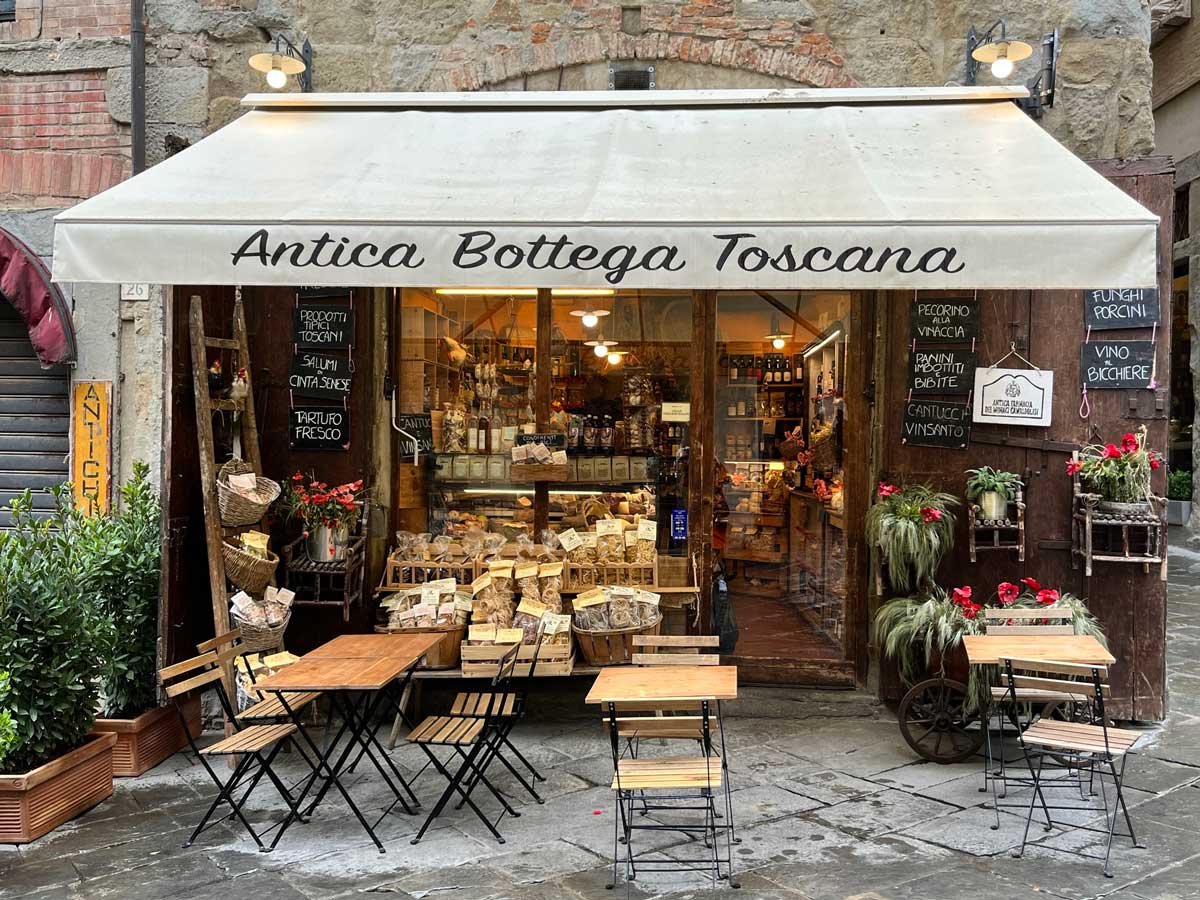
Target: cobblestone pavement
{"x":829,"y":800}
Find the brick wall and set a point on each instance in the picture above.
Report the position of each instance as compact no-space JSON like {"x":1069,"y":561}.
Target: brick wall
{"x":58,"y":143}
{"x":66,"y":20}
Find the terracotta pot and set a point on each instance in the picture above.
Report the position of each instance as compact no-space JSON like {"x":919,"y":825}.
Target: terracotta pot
{"x":144,"y":742}
{"x":35,"y":803}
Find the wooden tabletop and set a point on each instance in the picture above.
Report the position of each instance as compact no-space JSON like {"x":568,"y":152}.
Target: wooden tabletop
{"x":983,"y":649}
{"x":623,"y":684}
{"x":336,"y":674}
{"x":377,"y":646}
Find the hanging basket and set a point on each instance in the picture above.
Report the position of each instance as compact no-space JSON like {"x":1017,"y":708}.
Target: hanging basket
{"x":611,"y":646}
{"x":257,"y":638}
{"x":246,"y":571}
{"x":238,"y":509}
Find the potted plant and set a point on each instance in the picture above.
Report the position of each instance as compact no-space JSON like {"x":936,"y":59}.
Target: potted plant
{"x":924,"y":632}
{"x":1119,"y":475}
{"x":1179,"y":497}
{"x":993,"y":489}
{"x":327,"y":513}
{"x":121,"y":556}
{"x":913,"y":527}
{"x":53,"y":641}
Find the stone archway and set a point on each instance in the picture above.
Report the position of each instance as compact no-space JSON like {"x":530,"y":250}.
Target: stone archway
{"x":501,"y":46}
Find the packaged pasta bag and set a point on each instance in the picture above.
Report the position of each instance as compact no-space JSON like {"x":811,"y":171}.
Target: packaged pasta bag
{"x":525,"y":574}
{"x":591,"y":610}
{"x":445,"y":614}
{"x":622,"y":611}
{"x":610,"y":541}
{"x":483,"y":599}
{"x":401,"y":618}
{"x":462,"y":607}
{"x":631,"y":545}
{"x":528,"y":618}
{"x":647,"y":541}
{"x":501,"y":571}
{"x":424,"y":615}
{"x":550,"y":575}
{"x":556,"y":629}
{"x":526,"y":549}
{"x":646,"y":603}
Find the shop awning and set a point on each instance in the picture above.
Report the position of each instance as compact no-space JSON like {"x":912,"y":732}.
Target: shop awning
{"x":921,"y":188}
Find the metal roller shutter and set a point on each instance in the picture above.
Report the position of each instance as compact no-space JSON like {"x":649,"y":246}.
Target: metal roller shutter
{"x":35,"y":420}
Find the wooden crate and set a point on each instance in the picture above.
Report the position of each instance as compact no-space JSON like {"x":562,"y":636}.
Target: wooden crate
{"x":35,"y":803}
{"x":581,"y":576}
{"x":524,"y":473}
{"x":145,"y":741}
{"x":403,"y":573}
{"x":483,"y":660}
{"x":673,"y":571}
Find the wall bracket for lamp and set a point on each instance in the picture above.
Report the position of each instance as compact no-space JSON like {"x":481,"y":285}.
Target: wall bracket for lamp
{"x":1041,"y":88}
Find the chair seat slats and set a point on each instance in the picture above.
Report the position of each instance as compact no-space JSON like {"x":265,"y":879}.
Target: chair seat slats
{"x":273,"y":708}
{"x":449,"y":730}
{"x":249,"y":740}
{"x":669,"y":772}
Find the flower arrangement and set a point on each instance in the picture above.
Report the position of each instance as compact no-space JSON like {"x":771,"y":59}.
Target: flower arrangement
{"x":315,"y":503}
{"x":916,"y":630}
{"x":1118,"y":473}
{"x":913,"y":527}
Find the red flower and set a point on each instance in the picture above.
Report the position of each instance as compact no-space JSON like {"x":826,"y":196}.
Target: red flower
{"x":886,"y":490}
{"x":298,"y":477}
{"x":1007,"y":592}
{"x":1112,"y":451}
{"x":1031,"y":583}
{"x":1155,"y":462}
{"x":929,"y":514}
{"x":1073,"y":467}
{"x":1047,"y":596}
{"x":970,"y":610}
{"x":1129,"y":442}
{"x":962,"y":595}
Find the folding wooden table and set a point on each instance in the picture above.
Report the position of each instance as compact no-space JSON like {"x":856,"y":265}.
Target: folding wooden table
{"x":343,"y":677}
{"x":985,"y":649}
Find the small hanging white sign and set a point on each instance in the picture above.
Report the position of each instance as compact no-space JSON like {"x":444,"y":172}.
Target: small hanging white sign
{"x":1013,"y":396}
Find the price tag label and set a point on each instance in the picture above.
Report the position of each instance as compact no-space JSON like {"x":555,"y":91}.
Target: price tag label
{"x":486,"y":632}
{"x":532,"y":608}
{"x":570,"y":540}
{"x":548,"y":570}
{"x":610,"y":526}
{"x":483,"y":581}
{"x":647,"y":530}
{"x":648,"y":597}
{"x":526,"y":570}
{"x":509,"y":635}
{"x":594,"y":597}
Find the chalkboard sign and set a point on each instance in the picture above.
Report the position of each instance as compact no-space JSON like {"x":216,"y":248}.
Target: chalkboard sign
{"x":319,"y":428}
{"x":945,"y":321}
{"x":315,"y":292}
{"x":555,"y":440}
{"x":326,"y":326}
{"x":318,"y":375}
{"x":1108,"y":365}
{"x":931,"y":423}
{"x":1108,"y":308}
{"x":420,"y":426}
{"x":940,"y":371}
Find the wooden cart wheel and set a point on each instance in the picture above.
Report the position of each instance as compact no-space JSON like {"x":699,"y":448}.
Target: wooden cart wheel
{"x":936,"y":724}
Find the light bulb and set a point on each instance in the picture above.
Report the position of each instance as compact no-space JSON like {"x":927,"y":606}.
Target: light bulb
{"x":276,"y":78}
{"x":589,"y":320}
{"x":1002,"y":67}
{"x":600,"y":350}
{"x":778,"y":343}
{"x":614,"y":358}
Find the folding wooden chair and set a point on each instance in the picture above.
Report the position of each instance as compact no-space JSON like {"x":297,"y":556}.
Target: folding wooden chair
{"x":475,"y":741}
{"x":247,"y":744}
{"x":1075,"y":745}
{"x":271,"y":709}
{"x":1023,"y":622}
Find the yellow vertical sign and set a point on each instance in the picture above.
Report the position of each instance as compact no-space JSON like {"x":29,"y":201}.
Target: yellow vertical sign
{"x":91,"y":445}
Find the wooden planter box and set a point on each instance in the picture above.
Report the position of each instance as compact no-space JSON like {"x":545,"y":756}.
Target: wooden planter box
{"x":144,"y":742}
{"x":483,"y":660}
{"x":37,"y":802}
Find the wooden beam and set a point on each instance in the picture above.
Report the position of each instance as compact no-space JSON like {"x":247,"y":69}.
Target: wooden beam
{"x":541,"y":400}
{"x":1175,"y":68}
{"x":795,"y":317}
{"x":702,"y":453}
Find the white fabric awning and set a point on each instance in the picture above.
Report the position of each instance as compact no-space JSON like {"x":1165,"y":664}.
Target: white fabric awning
{"x":929,"y":188}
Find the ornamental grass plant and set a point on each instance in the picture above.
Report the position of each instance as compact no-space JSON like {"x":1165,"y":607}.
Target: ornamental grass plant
{"x":913,"y":527}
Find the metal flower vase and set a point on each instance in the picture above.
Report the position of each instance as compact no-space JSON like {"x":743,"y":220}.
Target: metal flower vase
{"x":325,"y":544}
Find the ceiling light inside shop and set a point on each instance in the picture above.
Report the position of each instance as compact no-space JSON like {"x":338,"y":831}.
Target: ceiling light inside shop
{"x":777,"y":337}
{"x":811,"y":350}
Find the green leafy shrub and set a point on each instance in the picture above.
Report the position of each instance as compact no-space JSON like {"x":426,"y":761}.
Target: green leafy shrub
{"x":1179,"y":486}
{"x":8,"y":731}
{"x":913,"y":527}
{"x":54,"y":639}
{"x":121,"y":557}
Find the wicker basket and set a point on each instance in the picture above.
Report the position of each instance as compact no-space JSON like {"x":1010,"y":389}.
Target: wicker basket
{"x":445,"y":654}
{"x":246,"y":571}
{"x":257,"y":638}
{"x":613,"y":646}
{"x":237,"y":509}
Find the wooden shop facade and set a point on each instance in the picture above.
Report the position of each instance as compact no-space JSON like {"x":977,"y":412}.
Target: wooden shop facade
{"x":728,"y":314}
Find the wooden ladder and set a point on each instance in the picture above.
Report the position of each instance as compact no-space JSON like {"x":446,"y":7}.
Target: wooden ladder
{"x":206,"y":406}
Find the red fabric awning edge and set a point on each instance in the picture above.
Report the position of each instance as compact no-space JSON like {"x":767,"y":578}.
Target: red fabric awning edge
{"x":25,"y":283}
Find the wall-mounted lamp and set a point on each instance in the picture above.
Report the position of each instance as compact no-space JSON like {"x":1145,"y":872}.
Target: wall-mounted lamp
{"x":1003,"y":53}
{"x":284,"y":61}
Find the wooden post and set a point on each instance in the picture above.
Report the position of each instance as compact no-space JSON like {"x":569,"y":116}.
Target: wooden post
{"x":541,"y":400}
{"x":702,"y":453}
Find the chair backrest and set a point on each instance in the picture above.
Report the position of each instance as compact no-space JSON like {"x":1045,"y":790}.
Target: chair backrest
{"x":233,"y":636}
{"x":676,"y":650}
{"x":1062,"y":677}
{"x":197,"y":672}
{"x":1050,"y":620}
{"x":507,"y":665}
